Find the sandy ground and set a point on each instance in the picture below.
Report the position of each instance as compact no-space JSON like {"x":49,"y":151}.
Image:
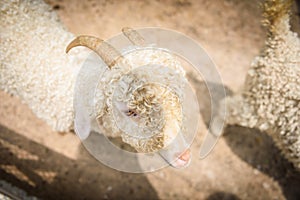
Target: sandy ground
{"x":245,"y":163}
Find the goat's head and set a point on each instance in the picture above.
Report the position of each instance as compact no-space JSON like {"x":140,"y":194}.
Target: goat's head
{"x":147,"y":115}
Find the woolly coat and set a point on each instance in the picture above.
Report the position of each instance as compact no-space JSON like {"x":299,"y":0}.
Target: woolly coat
{"x":35,"y":67}
{"x":270,"y":100}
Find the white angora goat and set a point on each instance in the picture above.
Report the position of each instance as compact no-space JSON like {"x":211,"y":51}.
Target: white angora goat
{"x":270,"y":100}
{"x":35,"y":67}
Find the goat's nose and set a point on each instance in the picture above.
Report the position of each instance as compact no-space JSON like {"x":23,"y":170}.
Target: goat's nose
{"x":183,"y":160}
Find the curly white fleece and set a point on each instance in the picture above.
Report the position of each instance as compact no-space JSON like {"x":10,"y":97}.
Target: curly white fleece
{"x":34,"y":65}
{"x":270,"y":99}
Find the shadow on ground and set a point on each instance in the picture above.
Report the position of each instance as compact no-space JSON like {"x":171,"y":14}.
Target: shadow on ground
{"x":46,"y":174}
{"x":251,"y":145}
{"x":258,"y":149}
{"x":254,"y":147}
{"x":222,"y":196}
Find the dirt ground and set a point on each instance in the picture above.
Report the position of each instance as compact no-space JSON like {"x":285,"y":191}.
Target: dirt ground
{"x":245,"y":164}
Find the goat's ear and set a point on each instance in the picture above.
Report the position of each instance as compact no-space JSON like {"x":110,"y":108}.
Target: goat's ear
{"x":103,"y":49}
{"x":82,"y":124}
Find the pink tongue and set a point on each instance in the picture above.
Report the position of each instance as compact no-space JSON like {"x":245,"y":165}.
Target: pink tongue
{"x":185,"y":156}
{"x":183,"y":159}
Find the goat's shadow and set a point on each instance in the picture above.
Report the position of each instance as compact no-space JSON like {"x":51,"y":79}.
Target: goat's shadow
{"x":251,"y":145}
{"x":222,"y":196}
{"x":258,"y":150}
{"x":47,"y":174}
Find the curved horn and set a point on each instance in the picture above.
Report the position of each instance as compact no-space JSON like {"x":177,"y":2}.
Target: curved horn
{"x":107,"y":52}
{"x":134,"y":36}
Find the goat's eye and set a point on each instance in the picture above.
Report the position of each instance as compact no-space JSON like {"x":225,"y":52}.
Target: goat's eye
{"x":131,"y":113}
